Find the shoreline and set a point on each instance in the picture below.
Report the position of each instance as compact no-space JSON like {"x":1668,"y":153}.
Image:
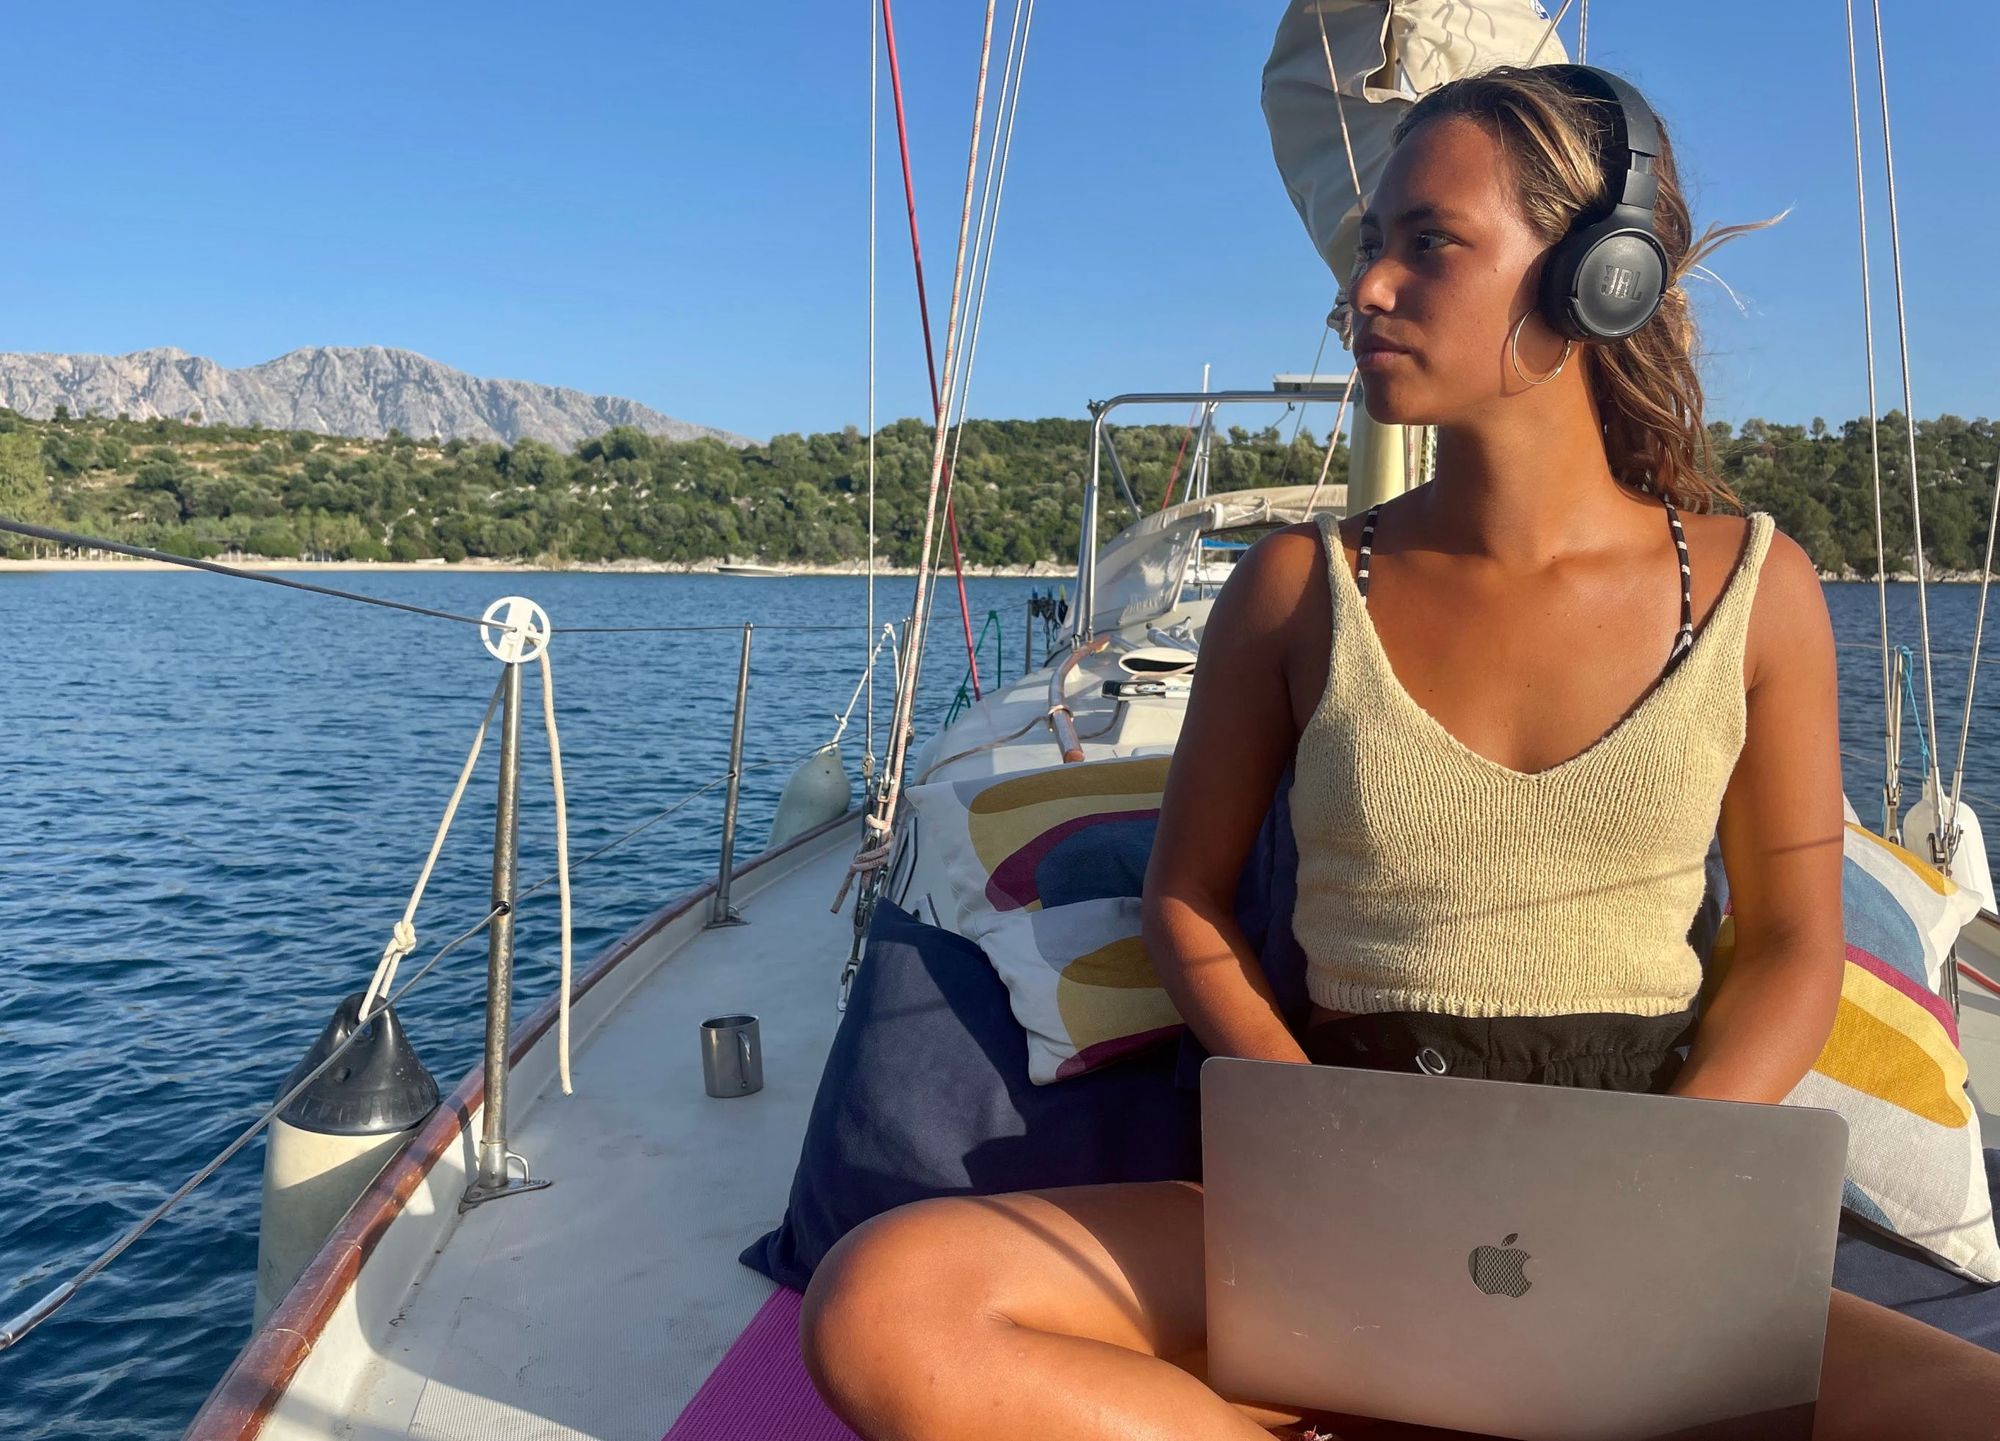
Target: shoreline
{"x":1040,"y":570}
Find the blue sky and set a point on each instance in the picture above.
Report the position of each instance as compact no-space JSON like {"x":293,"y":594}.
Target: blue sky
{"x":668,"y":201}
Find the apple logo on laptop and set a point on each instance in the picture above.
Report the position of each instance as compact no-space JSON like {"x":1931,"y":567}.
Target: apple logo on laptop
{"x":1496,"y":1270}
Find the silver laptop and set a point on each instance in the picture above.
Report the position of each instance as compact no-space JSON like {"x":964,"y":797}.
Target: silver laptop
{"x":1529,"y":1261}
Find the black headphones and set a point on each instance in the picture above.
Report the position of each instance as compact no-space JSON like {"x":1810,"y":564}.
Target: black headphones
{"x":1605,"y":279}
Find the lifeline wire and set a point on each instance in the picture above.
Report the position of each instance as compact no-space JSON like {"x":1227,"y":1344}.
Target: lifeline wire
{"x":55,"y":1300}
{"x":686,"y":629}
{"x":92,"y":542}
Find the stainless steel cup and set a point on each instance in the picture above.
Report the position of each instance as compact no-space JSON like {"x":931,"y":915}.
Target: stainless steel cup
{"x":732,"y":1061}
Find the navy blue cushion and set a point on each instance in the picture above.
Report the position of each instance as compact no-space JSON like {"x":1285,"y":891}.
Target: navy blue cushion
{"x":926,"y":1093}
{"x":1879,"y":1268}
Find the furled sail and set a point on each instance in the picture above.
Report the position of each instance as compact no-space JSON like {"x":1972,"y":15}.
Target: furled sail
{"x":1387,"y":53}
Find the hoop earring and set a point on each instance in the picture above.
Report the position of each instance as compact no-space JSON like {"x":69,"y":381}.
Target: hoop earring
{"x":1514,"y":353}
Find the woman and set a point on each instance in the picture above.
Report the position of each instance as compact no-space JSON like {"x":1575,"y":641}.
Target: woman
{"x":1518,"y":701}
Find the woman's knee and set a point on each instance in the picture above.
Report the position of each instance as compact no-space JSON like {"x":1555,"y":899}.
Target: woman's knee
{"x":888,"y":1291}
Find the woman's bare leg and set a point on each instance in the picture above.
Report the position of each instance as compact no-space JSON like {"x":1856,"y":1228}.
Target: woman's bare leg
{"x":1076,"y":1312}
{"x":1888,"y":1377}
{"x":1080,"y":1312}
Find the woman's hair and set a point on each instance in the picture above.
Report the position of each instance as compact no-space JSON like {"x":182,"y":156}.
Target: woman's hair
{"x":1645,"y":385}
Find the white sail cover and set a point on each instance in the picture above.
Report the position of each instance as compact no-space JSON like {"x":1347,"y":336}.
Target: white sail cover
{"x":1387,"y":53}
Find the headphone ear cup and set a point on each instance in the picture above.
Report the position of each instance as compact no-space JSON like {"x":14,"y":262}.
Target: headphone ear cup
{"x":1604,"y":281}
{"x":1558,"y":284}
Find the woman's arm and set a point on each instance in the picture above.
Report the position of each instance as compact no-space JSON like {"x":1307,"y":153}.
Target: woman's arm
{"x":1237,"y":738}
{"x":1781,"y":830}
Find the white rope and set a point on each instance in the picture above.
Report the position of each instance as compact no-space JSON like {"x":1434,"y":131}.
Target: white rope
{"x":1909,"y":414}
{"x":1333,"y":440}
{"x":1583,"y":33}
{"x":403,"y":935}
{"x":1340,"y":103}
{"x":888,"y":638}
{"x":1892,"y":733}
{"x":562,"y":865}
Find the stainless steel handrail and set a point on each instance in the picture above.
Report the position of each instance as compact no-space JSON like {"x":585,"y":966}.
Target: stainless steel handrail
{"x":1084,"y":612}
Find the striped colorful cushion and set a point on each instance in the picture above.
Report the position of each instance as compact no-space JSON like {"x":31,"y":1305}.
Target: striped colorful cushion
{"x":1893,"y":1067}
{"x":1046,"y":867}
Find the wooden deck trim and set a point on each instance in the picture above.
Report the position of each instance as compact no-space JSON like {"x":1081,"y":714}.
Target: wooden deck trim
{"x":256,"y":1380}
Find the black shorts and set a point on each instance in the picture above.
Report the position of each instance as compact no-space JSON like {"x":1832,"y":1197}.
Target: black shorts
{"x":1595,"y":1050}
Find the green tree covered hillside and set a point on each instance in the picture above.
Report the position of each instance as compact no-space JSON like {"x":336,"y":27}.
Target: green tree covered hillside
{"x":209,"y":490}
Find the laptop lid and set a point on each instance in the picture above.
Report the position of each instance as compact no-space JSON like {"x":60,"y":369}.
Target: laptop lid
{"x":1529,"y":1261}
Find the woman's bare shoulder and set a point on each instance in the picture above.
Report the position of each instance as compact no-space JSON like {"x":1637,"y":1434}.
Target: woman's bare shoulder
{"x":1281,"y":572}
{"x":1788,"y":615}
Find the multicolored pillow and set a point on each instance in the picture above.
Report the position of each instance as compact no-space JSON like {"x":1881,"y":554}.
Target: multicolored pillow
{"x":1893,"y":1067}
{"x":1047,"y":867}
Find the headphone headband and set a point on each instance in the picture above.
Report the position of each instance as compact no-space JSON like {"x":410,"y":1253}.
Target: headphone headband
{"x":1630,"y":183}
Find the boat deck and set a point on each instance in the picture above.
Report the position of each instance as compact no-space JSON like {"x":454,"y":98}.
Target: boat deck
{"x":596,"y":1308}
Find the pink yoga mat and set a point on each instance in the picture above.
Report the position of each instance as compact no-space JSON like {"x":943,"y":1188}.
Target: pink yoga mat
{"x":760,"y":1390}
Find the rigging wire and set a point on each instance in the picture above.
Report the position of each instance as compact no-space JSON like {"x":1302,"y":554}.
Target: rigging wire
{"x":874,"y":150}
{"x":1892,"y":768}
{"x":998,"y":155}
{"x":1535,"y":54}
{"x":1285,"y":476}
{"x":913,"y":648}
{"x":1332,"y":443}
{"x":923,"y":297}
{"x":1187,"y":434}
{"x":1909,"y":422}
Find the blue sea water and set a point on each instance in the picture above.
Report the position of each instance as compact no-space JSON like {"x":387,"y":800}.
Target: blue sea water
{"x":217,"y":794}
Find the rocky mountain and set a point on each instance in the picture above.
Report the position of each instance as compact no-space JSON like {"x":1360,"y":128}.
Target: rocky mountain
{"x":336,"y":390}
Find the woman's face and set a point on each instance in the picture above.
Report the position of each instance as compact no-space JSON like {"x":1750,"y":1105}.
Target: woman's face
{"x":1446,"y":264}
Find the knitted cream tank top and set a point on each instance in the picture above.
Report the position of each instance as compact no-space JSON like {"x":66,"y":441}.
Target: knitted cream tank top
{"x":1433,"y":879}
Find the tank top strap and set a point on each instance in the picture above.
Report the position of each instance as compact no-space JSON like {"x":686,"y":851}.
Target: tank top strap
{"x":1367,"y":549}
{"x":1729,"y":617}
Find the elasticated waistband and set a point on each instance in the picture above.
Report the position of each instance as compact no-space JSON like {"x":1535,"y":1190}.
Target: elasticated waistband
{"x":1596,"y":1050}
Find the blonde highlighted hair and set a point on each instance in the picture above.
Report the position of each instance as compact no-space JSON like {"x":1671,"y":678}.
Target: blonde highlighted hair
{"x":1646,"y":388}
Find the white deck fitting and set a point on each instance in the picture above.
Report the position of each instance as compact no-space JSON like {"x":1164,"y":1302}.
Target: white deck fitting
{"x":596,"y":1308}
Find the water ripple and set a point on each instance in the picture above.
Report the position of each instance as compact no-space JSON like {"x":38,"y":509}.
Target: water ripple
{"x":217,"y":797}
